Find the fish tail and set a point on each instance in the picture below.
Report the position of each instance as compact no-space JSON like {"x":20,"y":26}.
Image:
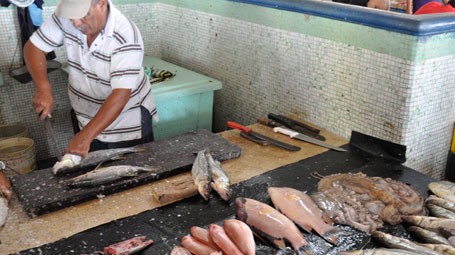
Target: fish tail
{"x":333,"y":235}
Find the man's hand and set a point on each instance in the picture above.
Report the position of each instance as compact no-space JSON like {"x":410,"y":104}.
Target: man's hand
{"x":79,"y":145}
{"x":43,"y":102}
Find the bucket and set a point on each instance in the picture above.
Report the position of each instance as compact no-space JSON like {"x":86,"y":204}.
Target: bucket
{"x":14,"y":130}
{"x":18,"y":153}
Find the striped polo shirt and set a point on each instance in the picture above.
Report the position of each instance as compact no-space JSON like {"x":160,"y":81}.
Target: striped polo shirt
{"x":114,"y":60}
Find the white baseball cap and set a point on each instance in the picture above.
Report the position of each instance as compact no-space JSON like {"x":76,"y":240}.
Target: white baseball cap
{"x":72,"y":9}
{"x":22,"y":3}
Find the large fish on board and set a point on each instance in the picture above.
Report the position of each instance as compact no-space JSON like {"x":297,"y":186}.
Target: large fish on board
{"x":301,"y":209}
{"x":268,"y":223}
{"x":105,"y":175}
{"x":443,"y":189}
{"x":201,"y":175}
{"x":71,"y":162}
{"x":220,"y":179}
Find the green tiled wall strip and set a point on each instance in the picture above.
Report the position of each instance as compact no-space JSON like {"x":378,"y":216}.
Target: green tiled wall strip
{"x":403,"y":46}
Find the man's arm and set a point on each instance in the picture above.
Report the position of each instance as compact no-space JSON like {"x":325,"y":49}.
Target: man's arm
{"x":109,"y":111}
{"x":35,"y":59}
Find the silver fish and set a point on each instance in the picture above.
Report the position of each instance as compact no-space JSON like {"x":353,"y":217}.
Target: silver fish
{"x":391,"y":241}
{"x":3,"y":210}
{"x":381,"y":251}
{"x":443,"y":249}
{"x":443,"y":189}
{"x":107,"y":175}
{"x":201,"y":175}
{"x":435,"y":200}
{"x":441,"y":212}
{"x":220,"y":179}
{"x":71,"y":162}
{"x":430,"y":223}
{"x":427,"y":236}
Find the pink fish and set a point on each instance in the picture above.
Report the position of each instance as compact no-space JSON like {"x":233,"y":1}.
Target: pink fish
{"x":202,"y":235}
{"x":196,"y":247}
{"x":127,"y":247}
{"x":241,"y":234}
{"x":179,"y":250}
{"x":301,"y":209}
{"x":271,"y":224}
{"x":223,"y":241}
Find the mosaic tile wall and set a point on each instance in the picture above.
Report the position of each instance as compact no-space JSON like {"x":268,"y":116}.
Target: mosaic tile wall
{"x":369,"y":86}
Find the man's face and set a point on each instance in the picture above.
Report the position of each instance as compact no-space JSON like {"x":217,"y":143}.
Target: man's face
{"x":93,"y":22}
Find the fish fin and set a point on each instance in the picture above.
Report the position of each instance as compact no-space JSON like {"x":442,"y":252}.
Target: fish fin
{"x":98,"y":166}
{"x":327,"y":219}
{"x":279,"y":243}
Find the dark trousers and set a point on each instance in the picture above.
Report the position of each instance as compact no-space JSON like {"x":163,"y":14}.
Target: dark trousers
{"x":147,"y":135}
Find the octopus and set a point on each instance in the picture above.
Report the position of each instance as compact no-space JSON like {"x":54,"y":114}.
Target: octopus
{"x":365,"y":203}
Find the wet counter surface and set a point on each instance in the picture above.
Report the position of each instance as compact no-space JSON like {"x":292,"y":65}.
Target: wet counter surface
{"x":167,"y":224}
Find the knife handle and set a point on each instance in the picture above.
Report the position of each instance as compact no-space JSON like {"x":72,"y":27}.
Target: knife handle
{"x":285,"y":131}
{"x":238,"y":126}
{"x":268,"y":122}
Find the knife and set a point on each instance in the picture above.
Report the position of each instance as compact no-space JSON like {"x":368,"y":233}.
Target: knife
{"x":291,"y":124}
{"x":305,"y":138}
{"x":51,"y":133}
{"x":288,"y":121}
{"x":261,"y":139}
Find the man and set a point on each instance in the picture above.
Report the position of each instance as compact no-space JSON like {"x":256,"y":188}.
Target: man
{"x":108,"y":88}
{"x":432,"y":6}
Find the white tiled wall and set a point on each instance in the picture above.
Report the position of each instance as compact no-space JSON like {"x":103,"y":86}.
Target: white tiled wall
{"x":334,"y":85}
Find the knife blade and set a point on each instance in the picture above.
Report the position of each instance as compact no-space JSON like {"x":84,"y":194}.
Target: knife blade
{"x":267,"y":139}
{"x":51,"y":134}
{"x":305,"y":138}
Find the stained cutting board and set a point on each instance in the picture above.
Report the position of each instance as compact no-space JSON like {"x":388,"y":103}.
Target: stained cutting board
{"x":41,"y":191}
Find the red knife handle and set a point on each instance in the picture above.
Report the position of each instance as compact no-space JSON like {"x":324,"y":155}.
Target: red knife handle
{"x":238,"y":126}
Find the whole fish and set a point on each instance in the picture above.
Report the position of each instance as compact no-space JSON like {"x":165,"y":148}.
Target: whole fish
{"x":220,"y":179}
{"x":196,"y":247}
{"x":440,"y":212}
{"x":223,"y":241}
{"x":3,"y":210}
{"x":179,"y":250}
{"x":430,"y":223}
{"x":443,"y":189}
{"x":241,"y":234}
{"x":201,"y":175}
{"x":428,"y":236}
{"x":443,"y":249}
{"x":432,"y":199}
{"x":107,"y":175}
{"x":391,"y":241}
{"x":270,"y":224}
{"x":381,"y":251}
{"x":130,"y":246}
{"x":301,"y":209}
{"x":202,"y":235}
{"x":71,"y":162}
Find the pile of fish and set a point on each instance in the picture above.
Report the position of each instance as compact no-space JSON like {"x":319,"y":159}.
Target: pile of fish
{"x":127,"y":247}
{"x":233,"y":238}
{"x":208,"y":174}
{"x":365,"y":203}
{"x":435,"y":233}
{"x":71,"y":162}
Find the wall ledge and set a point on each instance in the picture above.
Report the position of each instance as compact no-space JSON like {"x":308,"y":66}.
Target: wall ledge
{"x":417,"y":25}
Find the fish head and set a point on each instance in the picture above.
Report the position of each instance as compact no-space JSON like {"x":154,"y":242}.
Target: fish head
{"x":241,"y":210}
{"x":67,"y":161}
{"x":223,"y":189}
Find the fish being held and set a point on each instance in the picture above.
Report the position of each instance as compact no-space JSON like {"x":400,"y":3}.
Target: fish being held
{"x":201,"y":175}
{"x":301,"y":209}
{"x":220,"y":179}
{"x":271,"y":224}
{"x":107,"y":175}
{"x":443,"y":189}
{"x":71,"y":162}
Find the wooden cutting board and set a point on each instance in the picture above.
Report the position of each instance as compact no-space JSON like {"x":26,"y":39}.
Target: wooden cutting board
{"x":41,"y":191}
